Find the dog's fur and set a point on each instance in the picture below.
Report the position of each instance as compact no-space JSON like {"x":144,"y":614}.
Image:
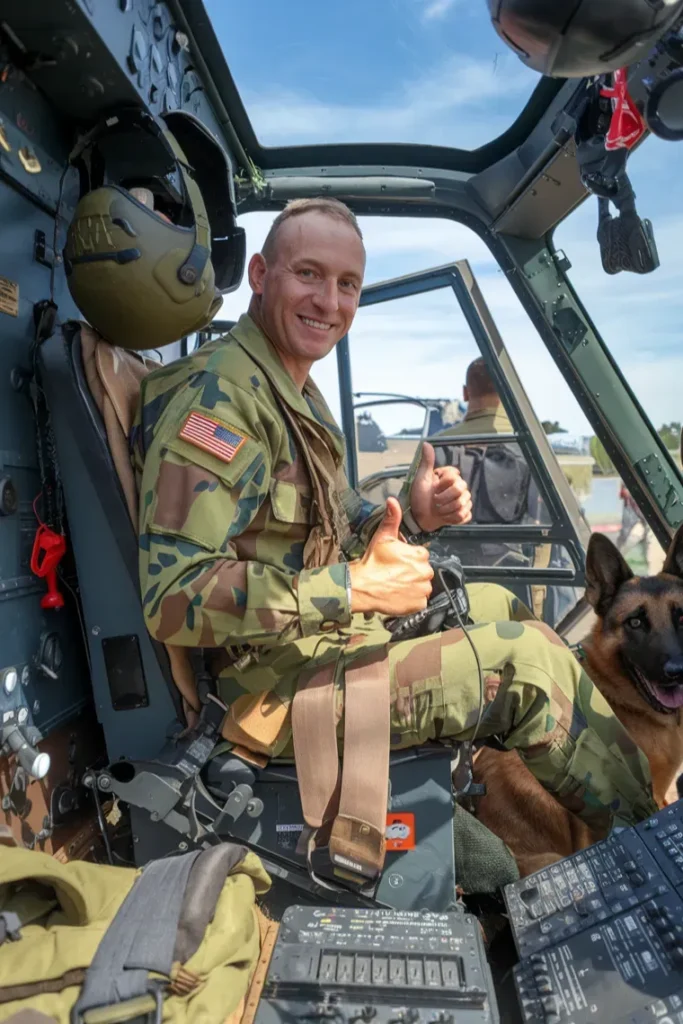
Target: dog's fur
{"x":634,"y":655}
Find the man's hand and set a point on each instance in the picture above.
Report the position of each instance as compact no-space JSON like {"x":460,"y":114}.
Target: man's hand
{"x":392,"y":577}
{"x":439,"y":497}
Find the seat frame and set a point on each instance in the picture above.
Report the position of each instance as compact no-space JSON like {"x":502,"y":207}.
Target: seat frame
{"x":102,"y":536}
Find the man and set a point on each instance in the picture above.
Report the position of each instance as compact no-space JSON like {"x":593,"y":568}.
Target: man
{"x":485,"y":411}
{"x":245,"y":518}
{"x":508,"y":494}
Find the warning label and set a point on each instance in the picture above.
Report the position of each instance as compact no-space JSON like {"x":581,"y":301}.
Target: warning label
{"x":9,"y":297}
{"x":400,"y":832}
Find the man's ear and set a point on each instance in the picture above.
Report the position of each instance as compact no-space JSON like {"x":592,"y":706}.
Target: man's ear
{"x":673,"y":564}
{"x":257,"y":273}
{"x":606,"y":572}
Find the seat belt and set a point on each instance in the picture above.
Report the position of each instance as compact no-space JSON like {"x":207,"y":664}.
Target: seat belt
{"x":350,"y":807}
{"x":162,"y":920}
{"x":314,"y":732}
{"x":357,"y":840}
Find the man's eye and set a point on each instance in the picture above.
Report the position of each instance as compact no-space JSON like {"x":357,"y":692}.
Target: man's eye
{"x":306,"y":272}
{"x":347,"y":284}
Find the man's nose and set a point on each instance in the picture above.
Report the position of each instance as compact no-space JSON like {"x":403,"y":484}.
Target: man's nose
{"x":327,"y":297}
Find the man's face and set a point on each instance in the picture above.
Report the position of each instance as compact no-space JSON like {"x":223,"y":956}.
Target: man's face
{"x":310,"y":287}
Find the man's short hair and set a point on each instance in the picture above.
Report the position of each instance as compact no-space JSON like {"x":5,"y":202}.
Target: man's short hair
{"x":478,"y":380}
{"x":325,"y":205}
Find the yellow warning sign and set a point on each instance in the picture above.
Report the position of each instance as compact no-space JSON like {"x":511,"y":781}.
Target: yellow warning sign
{"x":9,"y":297}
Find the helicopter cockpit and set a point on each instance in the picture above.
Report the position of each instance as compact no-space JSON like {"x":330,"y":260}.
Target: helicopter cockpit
{"x":113,"y":745}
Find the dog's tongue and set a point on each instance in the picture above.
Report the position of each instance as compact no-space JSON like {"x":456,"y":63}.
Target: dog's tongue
{"x":670,"y":697}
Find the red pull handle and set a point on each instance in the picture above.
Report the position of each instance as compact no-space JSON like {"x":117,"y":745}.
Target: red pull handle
{"x":48,"y":550}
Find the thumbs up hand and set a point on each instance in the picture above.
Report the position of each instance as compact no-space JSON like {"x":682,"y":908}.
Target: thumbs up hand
{"x":439,"y":497}
{"x":392,"y":577}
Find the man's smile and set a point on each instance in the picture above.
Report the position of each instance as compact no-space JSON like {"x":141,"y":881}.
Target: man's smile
{"x":317,"y":324}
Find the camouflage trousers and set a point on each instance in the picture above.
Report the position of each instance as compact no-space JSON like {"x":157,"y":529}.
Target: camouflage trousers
{"x":537,"y":699}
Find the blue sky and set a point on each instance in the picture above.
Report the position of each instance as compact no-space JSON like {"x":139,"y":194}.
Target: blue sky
{"x":434,"y":71}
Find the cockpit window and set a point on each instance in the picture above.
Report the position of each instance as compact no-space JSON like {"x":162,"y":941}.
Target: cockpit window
{"x":413,"y":71}
{"x":639,"y":316}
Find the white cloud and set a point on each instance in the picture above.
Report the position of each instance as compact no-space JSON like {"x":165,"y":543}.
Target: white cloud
{"x":457,"y":103}
{"x":438,"y":9}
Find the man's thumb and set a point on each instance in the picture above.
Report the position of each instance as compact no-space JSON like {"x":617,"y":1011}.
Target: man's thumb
{"x":389,"y":527}
{"x":428,"y":458}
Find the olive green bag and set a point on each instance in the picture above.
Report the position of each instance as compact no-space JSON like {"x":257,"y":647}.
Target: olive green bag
{"x":92,"y":944}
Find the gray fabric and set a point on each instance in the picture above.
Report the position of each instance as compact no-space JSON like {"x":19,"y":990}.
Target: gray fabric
{"x":205,"y":884}
{"x":141,"y":938}
{"x":10,"y":926}
{"x":483,"y":863}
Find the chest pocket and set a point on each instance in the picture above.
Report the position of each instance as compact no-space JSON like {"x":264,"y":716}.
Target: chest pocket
{"x":290,"y":508}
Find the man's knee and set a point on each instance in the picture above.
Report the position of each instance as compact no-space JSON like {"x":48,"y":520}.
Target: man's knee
{"x":489,"y":602}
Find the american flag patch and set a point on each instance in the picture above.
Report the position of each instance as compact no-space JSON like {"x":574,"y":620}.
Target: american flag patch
{"x":212,"y":436}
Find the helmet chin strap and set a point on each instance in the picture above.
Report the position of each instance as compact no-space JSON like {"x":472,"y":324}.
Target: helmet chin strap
{"x":193,"y":267}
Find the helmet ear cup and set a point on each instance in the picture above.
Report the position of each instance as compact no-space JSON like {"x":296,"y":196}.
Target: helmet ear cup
{"x":124,"y":265}
{"x":581,"y":38}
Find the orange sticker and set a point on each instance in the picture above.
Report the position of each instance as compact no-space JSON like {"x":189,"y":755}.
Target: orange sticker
{"x":400,"y":832}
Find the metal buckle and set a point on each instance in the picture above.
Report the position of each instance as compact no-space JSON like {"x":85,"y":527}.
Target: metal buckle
{"x":148,"y":1008}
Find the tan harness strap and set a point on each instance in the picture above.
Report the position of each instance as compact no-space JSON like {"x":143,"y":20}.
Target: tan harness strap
{"x":357,"y":841}
{"x":315,"y":745}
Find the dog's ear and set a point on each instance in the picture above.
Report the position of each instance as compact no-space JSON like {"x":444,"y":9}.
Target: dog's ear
{"x":606,"y":572}
{"x":673,"y":564}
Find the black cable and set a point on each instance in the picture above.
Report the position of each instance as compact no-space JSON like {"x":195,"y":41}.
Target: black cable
{"x":458,"y":616}
{"x":101,"y":822}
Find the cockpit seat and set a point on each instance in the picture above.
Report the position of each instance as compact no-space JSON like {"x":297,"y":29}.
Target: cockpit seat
{"x":114,"y":376}
{"x":145,"y":692}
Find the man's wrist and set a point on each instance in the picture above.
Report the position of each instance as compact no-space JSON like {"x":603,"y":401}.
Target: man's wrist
{"x":410,"y":522}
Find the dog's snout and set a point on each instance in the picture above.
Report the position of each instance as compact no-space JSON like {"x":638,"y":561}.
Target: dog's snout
{"x":673,"y":669}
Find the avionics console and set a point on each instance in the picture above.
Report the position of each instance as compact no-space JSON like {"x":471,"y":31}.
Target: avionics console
{"x":365,"y":966}
{"x":600,"y":934}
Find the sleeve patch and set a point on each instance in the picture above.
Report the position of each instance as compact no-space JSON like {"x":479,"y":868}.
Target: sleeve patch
{"x":212,"y":436}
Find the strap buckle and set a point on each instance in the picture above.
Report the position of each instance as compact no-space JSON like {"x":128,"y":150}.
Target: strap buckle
{"x":145,"y":1009}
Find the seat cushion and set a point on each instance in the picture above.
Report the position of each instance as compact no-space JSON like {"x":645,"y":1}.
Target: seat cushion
{"x":114,"y":376}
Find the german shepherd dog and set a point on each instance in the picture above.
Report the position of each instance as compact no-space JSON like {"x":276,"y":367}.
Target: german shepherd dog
{"x":634,"y":655}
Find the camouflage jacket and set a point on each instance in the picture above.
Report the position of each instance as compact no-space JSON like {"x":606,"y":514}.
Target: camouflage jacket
{"x":226,"y":509}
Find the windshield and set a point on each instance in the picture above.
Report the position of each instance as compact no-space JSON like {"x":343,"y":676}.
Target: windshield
{"x":412,"y":71}
{"x":639,"y":316}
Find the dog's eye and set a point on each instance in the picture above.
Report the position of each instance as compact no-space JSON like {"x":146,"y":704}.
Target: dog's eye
{"x":635,"y":622}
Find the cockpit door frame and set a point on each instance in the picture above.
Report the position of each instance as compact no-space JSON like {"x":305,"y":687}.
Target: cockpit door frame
{"x":568,"y":528}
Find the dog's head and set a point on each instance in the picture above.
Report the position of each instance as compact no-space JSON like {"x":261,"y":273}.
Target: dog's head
{"x":640,"y":620}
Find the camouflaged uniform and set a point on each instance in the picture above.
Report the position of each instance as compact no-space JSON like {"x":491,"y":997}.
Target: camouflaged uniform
{"x":491,"y":419}
{"x":228,"y":562}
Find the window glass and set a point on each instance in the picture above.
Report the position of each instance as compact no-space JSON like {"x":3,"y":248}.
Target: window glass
{"x":421,"y":71}
{"x":639,"y":318}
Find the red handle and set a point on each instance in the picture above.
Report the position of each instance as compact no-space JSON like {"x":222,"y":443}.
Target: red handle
{"x":627,"y":126}
{"x":48,"y":550}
